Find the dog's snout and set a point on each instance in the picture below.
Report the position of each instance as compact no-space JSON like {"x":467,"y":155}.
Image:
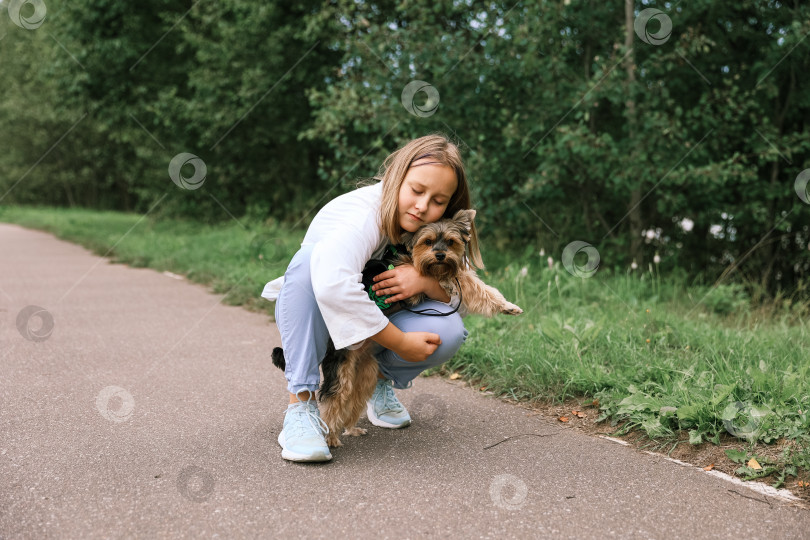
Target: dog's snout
{"x":440,"y":256}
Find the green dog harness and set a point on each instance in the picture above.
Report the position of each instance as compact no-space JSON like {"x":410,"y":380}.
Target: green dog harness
{"x":378,"y":266}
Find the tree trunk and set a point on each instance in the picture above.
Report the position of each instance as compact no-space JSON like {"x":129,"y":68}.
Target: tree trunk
{"x":635,"y":194}
{"x":769,"y":248}
{"x":769,"y":254}
{"x":69,"y":194}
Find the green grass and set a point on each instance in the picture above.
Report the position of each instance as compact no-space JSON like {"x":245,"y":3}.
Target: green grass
{"x":659,"y":354}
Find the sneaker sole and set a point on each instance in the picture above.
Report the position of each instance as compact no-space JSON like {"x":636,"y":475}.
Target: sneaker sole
{"x":294,"y":456}
{"x":380,"y":423}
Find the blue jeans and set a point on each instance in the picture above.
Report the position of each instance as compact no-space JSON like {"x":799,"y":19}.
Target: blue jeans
{"x":304,"y":336}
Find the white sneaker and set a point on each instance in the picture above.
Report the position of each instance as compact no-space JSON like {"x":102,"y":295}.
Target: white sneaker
{"x":303,"y":437}
{"x":384,"y":409}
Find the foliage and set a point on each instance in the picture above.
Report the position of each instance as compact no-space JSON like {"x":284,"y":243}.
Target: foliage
{"x":567,"y":133}
{"x":725,"y":299}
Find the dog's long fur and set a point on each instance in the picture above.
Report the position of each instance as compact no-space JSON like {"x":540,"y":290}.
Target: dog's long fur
{"x":437,"y":250}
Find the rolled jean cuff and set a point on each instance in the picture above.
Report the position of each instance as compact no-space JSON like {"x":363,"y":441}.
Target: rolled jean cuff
{"x":297,"y":388}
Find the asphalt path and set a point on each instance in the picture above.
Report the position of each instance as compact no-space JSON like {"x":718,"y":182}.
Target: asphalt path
{"x":134,"y":404}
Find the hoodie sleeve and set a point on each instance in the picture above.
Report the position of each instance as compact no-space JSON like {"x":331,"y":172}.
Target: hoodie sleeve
{"x":336,"y":266}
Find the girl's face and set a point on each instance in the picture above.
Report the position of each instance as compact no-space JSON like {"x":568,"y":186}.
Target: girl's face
{"x":425,"y":194}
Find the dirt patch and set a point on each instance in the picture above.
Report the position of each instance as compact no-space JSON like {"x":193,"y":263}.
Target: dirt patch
{"x":702,"y":455}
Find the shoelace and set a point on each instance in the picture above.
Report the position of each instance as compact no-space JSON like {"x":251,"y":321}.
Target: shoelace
{"x":389,"y":399}
{"x":306,"y":409}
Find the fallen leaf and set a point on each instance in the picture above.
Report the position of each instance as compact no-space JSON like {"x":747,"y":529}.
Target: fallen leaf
{"x":708,"y":467}
{"x":455,"y":376}
{"x":595,"y":403}
{"x":754,"y":464}
{"x":483,"y":388}
{"x":803,"y":484}
{"x":578,"y":414}
{"x":563,"y":419}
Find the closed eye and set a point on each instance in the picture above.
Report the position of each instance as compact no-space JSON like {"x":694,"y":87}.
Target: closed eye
{"x":434,"y":200}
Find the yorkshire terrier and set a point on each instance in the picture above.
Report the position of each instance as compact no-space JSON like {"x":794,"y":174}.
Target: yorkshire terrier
{"x":438,"y":250}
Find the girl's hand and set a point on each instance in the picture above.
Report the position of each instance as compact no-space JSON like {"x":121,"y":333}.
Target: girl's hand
{"x":417,"y":346}
{"x":402,"y":282}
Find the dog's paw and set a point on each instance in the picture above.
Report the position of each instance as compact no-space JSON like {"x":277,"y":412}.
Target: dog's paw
{"x":333,"y":441}
{"x":511,"y":309}
{"x":355,"y":431}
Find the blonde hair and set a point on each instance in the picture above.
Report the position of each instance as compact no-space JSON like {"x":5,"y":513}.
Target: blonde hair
{"x":392,"y":173}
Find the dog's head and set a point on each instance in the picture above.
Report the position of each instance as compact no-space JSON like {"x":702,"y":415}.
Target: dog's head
{"x":440,"y":249}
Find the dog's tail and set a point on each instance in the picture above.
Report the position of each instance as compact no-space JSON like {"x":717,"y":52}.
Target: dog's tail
{"x":278,"y":358}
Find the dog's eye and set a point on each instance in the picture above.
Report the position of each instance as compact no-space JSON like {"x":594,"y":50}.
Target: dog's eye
{"x":449,"y":242}
{"x":428,"y":242}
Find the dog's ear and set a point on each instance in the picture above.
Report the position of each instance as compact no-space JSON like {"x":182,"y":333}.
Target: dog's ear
{"x":465,"y":216}
{"x":464,"y":219}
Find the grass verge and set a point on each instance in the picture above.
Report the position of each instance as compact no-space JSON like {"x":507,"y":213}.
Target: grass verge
{"x":676,"y":362}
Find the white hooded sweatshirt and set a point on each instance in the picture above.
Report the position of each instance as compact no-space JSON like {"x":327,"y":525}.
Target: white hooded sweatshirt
{"x":346,"y":234}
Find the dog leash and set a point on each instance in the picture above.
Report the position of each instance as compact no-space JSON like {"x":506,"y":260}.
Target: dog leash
{"x":380,"y":301}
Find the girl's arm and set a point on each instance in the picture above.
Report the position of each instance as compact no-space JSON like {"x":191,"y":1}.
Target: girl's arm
{"x":411,"y":346}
